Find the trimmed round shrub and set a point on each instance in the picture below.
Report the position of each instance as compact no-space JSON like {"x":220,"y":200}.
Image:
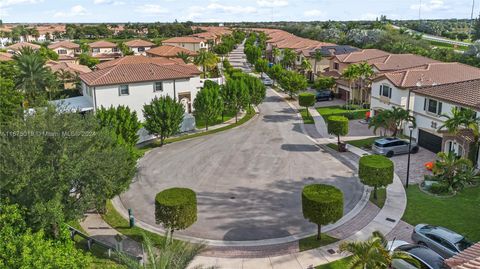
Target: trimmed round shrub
{"x":306,"y":99}
{"x":375,"y":171}
{"x":176,"y":208}
{"x":322,"y":204}
{"x":337,"y":125}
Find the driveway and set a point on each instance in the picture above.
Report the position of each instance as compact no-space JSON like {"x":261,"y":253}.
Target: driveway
{"x":248,"y":180}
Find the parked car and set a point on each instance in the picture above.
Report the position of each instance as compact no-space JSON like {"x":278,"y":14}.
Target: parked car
{"x":267,"y":81}
{"x":443,"y":241}
{"x":427,"y":258}
{"x":393,"y":146}
{"x":324,"y":95}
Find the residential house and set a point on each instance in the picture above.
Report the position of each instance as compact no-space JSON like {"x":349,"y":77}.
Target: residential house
{"x":15,"y":48}
{"x":168,"y":51}
{"x":187,"y":42}
{"x":327,"y":53}
{"x":213,"y":34}
{"x":467,"y":259}
{"x":139,"y":46}
{"x":135,"y":80}
{"x":431,"y":102}
{"x":104,"y":50}
{"x":398,"y":89}
{"x":68,"y":72}
{"x":66,"y":50}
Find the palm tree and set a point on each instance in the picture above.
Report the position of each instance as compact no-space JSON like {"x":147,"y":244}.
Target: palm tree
{"x":448,"y":167}
{"x":366,"y":73}
{"x":184,"y":56}
{"x":306,"y":67}
{"x":374,"y":253}
{"x":392,"y":119}
{"x":33,"y":77}
{"x":207,"y":60}
{"x":351,"y":74}
{"x":318,"y":57}
{"x":289,"y":57}
{"x":170,"y":254}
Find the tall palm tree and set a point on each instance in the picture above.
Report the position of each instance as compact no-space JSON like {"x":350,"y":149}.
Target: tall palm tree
{"x":207,"y":60}
{"x":365,"y":73}
{"x":306,"y":67}
{"x":289,"y":57}
{"x":374,"y":253}
{"x":351,"y":74}
{"x":170,"y":254}
{"x":184,"y":56}
{"x":33,"y":77}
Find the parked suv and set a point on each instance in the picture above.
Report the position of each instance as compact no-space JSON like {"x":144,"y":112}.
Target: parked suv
{"x":324,"y":95}
{"x":393,"y":146}
{"x":443,"y":241}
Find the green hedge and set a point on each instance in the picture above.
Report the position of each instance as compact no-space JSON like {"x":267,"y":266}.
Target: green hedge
{"x":337,"y":125}
{"x":306,"y":99}
{"x":375,"y":171}
{"x":322,"y":204}
{"x":176,"y":208}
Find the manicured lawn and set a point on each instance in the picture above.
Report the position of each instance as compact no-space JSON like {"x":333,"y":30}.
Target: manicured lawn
{"x":312,"y":242}
{"x":339,"y":111}
{"x":114,"y":219}
{"x":381,"y":197}
{"x":460,"y":213}
{"x":363,"y":143}
{"x":340,"y":264}
{"x":200,"y":123}
{"x":307,"y":119}
{"x":333,"y":146}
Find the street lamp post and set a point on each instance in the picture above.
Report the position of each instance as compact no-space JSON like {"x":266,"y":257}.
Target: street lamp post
{"x":409,"y":153}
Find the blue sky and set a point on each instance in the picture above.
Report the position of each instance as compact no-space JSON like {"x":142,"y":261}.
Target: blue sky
{"x":226,"y":10}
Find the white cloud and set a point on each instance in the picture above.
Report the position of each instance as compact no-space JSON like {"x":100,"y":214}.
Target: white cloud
{"x":108,"y":2}
{"x":9,"y":3}
{"x":369,"y":16}
{"x":231,"y":9}
{"x":313,"y":13}
{"x":272,"y":3}
{"x":430,"y":6}
{"x":77,"y":10}
{"x":151,"y":9}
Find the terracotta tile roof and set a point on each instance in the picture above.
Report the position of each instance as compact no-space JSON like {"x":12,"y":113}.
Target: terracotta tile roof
{"x":184,"y":39}
{"x":331,"y":73}
{"x":102,"y":44}
{"x":168,"y":51}
{"x":18,"y":46}
{"x":138,"y":69}
{"x":65,"y":58}
{"x":139,"y":43}
{"x":432,"y":74}
{"x":5,"y":57}
{"x":465,"y":93}
{"x":70,"y":67}
{"x":64,"y":44}
{"x":103,"y":56}
{"x":44,"y":29}
{"x":395,"y":62}
{"x":467,"y":259}
{"x":361,"y":56}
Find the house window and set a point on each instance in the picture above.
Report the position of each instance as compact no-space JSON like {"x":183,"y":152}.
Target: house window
{"x":62,"y":51}
{"x":158,"y":86}
{"x":385,"y":91}
{"x":141,"y":49}
{"x":123,"y":90}
{"x":335,"y":66}
{"x":114,"y":49}
{"x":433,"y":106}
{"x":96,"y":50}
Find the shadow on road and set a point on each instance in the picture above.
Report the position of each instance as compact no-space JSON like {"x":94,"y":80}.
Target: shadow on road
{"x":300,"y":148}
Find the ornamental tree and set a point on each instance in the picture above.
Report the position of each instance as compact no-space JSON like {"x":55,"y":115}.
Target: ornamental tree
{"x":337,"y":125}
{"x":176,"y":208}
{"x":261,"y":66}
{"x":322,"y":205}
{"x":293,"y":82}
{"x":375,"y":171}
{"x":236,"y":96}
{"x":208,"y":104}
{"x":163,"y":117}
{"x":256,"y":88}
{"x":306,"y":99}
{"x":122,"y":121}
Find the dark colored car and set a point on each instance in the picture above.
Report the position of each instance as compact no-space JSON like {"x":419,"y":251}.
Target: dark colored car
{"x":427,"y":258}
{"x":441,"y":240}
{"x":324,"y":95}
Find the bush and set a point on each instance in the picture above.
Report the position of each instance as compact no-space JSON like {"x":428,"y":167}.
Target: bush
{"x":438,"y":188}
{"x":322,"y":204}
{"x":176,"y":208}
{"x":337,"y":125}
{"x":306,"y":99}
{"x":375,"y":171}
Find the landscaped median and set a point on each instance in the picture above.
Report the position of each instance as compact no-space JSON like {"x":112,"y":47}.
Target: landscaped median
{"x":352,"y":112}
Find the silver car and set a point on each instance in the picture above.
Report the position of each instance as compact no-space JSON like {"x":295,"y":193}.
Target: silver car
{"x":267,"y":81}
{"x":441,"y":240}
{"x":393,"y":146}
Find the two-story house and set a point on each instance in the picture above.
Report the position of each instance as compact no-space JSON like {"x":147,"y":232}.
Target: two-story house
{"x":104,"y":50}
{"x":15,"y":48}
{"x":66,"y":50}
{"x":136,"y":80}
{"x":139,"y":46}
{"x":433,"y":101}
{"x":396,"y":89}
{"x":187,"y":42}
